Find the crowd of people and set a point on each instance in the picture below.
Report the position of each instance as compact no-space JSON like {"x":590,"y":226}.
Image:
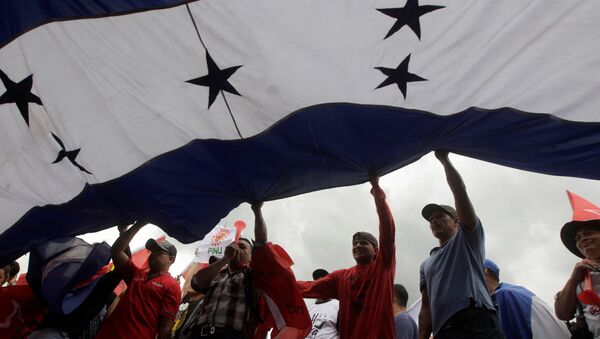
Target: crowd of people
{"x":251,"y":291}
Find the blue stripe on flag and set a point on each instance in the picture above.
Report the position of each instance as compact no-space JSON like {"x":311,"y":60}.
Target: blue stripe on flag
{"x":20,"y":16}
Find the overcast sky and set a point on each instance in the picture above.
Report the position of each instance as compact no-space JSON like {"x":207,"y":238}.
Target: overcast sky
{"x":521,"y":212}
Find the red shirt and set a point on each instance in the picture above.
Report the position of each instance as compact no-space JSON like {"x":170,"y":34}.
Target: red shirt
{"x":144,"y":302}
{"x":19,"y":310}
{"x":364,"y":291}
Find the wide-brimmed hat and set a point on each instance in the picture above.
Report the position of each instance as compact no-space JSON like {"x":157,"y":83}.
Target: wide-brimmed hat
{"x":584,"y":214}
{"x":568,"y":231}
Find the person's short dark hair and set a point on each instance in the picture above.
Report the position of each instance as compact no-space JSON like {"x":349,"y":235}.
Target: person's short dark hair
{"x":401,"y":295}
{"x":14,"y":269}
{"x":319,"y":273}
{"x":212,"y":259}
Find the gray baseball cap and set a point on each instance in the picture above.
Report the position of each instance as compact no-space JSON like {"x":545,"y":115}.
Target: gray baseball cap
{"x":365,"y":236}
{"x":163,"y":246}
{"x":429,"y":209}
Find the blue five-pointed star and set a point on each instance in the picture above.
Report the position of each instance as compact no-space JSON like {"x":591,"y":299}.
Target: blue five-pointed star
{"x":19,"y":93}
{"x":408,"y":16}
{"x":399,"y":76}
{"x":215,"y":80}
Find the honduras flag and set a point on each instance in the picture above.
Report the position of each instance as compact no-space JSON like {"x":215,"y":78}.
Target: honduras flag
{"x":525,"y":316}
{"x":178,"y":111}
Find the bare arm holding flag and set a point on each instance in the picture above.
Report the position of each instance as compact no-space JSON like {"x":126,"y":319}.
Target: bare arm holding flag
{"x":120,"y":248}
{"x":464,"y":208}
{"x":260,"y":229}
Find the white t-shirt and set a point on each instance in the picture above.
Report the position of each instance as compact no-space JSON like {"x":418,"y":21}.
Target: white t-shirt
{"x":324,"y":319}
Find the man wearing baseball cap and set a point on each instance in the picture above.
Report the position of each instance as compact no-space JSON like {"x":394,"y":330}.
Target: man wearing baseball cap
{"x":361,"y":289}
{"x":152,"y":298}
{"x":522,"y":314}
{"x":455,"y":300}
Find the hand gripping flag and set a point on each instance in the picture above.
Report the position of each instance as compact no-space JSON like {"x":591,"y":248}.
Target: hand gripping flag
{"x":178,"y":111}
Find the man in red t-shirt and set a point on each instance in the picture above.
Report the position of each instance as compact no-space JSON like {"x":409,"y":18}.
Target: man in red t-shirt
{"x":152,"y":298}
{"x":365,"y":291}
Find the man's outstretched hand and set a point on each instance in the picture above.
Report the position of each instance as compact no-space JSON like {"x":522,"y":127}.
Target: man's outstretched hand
{"x":374,"y":179}
{"x":256,"y":206}
{"x":442,"y":155}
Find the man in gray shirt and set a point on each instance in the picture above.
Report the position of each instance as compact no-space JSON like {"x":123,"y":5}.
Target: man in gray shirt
{"x":455,"y":300}
{"x":406,"y":327}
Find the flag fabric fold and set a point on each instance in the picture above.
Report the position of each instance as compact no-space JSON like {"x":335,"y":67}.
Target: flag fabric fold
{"x":57,"y":269}
{"x":275,"y":282}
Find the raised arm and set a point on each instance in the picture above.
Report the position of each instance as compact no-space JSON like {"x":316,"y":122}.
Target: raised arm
{"x":387,"y":228}
{"x":119,"y":248}
{"x":464,"y":208}
{"x":424,"y":315}
{"x":122,"y":228}
{"x":260,"y":229}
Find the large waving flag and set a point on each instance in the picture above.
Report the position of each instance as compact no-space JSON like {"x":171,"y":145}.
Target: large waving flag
{"x":523,"y":315}
{"x":178,"y":111}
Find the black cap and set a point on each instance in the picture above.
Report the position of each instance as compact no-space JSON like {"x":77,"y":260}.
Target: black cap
{"x":319,"y":273}
{"x":163,"y":246}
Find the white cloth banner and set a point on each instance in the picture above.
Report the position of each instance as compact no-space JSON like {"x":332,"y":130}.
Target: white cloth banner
{"x":215,"y":241}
